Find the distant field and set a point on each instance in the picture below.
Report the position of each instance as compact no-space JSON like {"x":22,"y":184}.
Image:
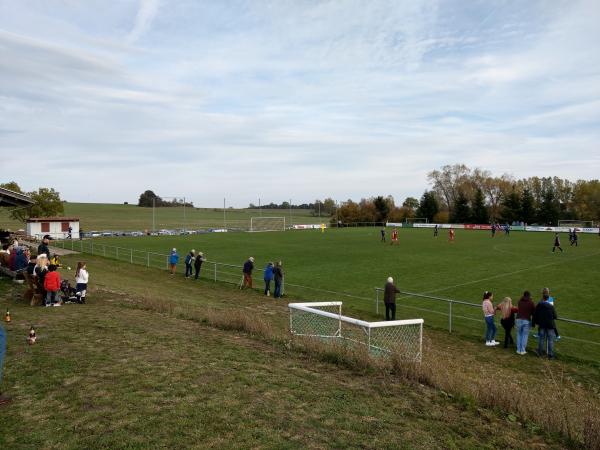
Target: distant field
{"x":103,"y":216}
{"x":353,"y":261}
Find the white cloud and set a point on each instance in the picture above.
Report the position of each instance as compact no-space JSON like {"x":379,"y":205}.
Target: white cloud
{"x":143,"y":19}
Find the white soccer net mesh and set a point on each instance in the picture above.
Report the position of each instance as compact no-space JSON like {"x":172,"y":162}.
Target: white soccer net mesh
{"x":576,"y":223}
{"x":267,"y":224}
{"x":324,"y":320}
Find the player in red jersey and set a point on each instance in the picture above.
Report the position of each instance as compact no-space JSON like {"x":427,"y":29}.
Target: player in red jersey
{"x":394,"y":237}
{"x":451,"y":235}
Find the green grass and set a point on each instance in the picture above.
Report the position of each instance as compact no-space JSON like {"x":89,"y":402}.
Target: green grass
{"x":103,"y":216}
{"x":116,"y":374}
{"x":353,"y":261}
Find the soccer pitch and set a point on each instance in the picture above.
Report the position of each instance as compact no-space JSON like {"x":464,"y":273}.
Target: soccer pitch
{"x":354,"y":261}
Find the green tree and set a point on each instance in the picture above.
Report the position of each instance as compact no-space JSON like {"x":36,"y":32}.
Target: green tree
{"x":428,"y":206}
{"x":479,"y":212}
{"x":549,"y":212}
{"x":528,"y":211}
{"x":12,"y":186}
{"x":149,"y":199}
{"x":411,"y":204}
{"x":461,"y":212}
{"x":47,"y":203}
{"x":511,"y":208}
{"x":328,"y":206}
{"x":382,"y":209}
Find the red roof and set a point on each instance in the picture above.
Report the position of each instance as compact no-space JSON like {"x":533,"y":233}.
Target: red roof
{"x":53,"y":219}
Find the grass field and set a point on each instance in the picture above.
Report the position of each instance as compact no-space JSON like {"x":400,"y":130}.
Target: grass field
{"x":102,"y":216}
{"x":139,"y":366}
{"x":353,"y":261}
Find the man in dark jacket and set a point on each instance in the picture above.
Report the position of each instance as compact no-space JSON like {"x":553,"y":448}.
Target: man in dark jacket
{"x":247,"y":271}
{"x":278,"y":277}
{"x":198,"y":264}
{"x":544,"y":316}
{"x":389,"y":298}
{"x":43,"y":248}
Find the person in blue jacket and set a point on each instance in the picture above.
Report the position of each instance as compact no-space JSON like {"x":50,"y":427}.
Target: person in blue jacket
{"x":173,"y":260}
{"x":268,"y":277}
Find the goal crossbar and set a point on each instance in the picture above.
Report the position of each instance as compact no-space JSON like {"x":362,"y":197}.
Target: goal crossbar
{"x":325,"y":320}
{"x":267,"y":223}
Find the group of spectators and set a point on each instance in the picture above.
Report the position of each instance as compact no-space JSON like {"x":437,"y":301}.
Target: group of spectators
{"x":273,"y":272}
{"x":528,"y":316}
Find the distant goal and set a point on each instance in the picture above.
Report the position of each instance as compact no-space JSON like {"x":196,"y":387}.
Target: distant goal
{"x":324,"y":320}
{"x":416,"y":220}
{"x":576,"y":223}
{"x":267,"y":224}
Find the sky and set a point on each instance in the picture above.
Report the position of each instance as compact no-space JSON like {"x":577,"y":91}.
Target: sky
{"x":293,"y":99}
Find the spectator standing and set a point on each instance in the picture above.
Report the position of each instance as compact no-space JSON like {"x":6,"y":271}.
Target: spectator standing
{"x":508,"y":319}
{"x":189,"y":260}
{"x":488,"y":314}
{"x":198,"y":264}
{"x":247,"y":273}
{"x":81,"y":279}
{"x":389,"y":298}
{"x":544,"y":316}
{"x":278,"y":277}
{"x":43,"y":247}
{"x":40,"y":272}
{"x":525,"y":308}
{"x":52,"y":286}
{"x":268,"y":277}
{"x":173,"y":260}
{"x":70,"y":232}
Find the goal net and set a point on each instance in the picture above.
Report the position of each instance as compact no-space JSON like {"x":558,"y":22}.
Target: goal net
{"x":267,"y":224}
{"x":416,"y":220}
{"x":576,"y":223}
{"x":325,"y":320}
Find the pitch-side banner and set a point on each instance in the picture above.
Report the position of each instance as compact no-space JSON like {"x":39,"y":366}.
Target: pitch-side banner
{"x":562,"y":229}
{"x":312,"y":226}
{"x":477,"y":226}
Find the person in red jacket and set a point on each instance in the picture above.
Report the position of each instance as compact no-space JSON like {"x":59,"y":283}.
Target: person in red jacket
{"x":52,"y":286}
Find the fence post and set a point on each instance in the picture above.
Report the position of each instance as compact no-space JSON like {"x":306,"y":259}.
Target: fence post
{"x":131,"y":259}
{"x":71,"y":244}
{"x":376,"y":301}
{"x":104,"y":250}
{"x":92,"y":247}
{"x":215,"y":272}
{"x":117,"y":253}
{"x":449,"y":317}
{"x":147,"y":259}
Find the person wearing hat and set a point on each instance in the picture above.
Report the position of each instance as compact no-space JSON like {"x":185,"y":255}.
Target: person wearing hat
{"x":189,"y":260}
{"x":173,"y":260}
{"x":247,"y":272}
{"x":198,"y":264}
{"x":389,"y":298}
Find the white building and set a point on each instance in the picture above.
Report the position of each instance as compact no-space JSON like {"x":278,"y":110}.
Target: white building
{"x":56,"y":227}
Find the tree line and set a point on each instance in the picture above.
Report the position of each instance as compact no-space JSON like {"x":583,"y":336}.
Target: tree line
{"x":148,"y":199}
{"x":459,"y":194}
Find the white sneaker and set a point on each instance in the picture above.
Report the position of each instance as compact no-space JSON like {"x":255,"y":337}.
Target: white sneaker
{"x":488,"y":343}
{"x":494,"y":342}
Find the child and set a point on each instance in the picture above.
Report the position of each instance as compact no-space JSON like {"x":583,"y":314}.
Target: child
{"x":81,"y":280}
{"x":55,"y":261}
{"x":189,"y":261}
{"x":173,"y":260}
{"x":52,"y":286}
{"x":488,"y":313}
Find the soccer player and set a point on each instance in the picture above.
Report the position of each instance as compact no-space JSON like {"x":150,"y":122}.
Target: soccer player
{"x":383,"y":235}
{"x":574,"y":237}
{"x":493,"y":230}
{"x":556,"y":243}
{"x":451,"y":235}
{"x":394,"y":237}
{"x":435,"y":230}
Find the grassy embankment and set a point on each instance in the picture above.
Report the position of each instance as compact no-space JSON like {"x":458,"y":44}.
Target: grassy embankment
{"x":158,"y":361}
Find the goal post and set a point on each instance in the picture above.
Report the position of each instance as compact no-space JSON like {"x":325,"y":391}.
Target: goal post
{"x":325,"y":320}
{"x":267,"y":224}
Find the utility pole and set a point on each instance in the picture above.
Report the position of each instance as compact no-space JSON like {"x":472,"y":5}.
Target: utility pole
{"x":259,"y":208}
{"x":183,"y":213}
{"x":291,"y":221}
{"x":153,"y":214}
{"x":224,"y":219}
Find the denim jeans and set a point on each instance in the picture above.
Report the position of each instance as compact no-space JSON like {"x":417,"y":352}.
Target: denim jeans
{"x":546,"y":339}
{"x":267,"y":286}
{"x":522,"y":334}
{"x":490,"y":331}
{"x":277,"y":292}
{"x":188,"y":270}
{"x":2,"y":350}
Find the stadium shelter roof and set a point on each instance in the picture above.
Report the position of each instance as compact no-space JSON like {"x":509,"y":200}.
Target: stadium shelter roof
{"x":53,"y":219}
{"x":12,"y":198}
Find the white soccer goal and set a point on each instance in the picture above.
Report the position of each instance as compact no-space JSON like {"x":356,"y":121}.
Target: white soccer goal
{"x":416,"y":220}
{"x":325,"y":320}
{"x":576,"y":223}
{"x":267,"y":224}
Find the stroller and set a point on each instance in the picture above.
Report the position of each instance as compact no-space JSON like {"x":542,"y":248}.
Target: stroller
{"x":69,"y":293}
